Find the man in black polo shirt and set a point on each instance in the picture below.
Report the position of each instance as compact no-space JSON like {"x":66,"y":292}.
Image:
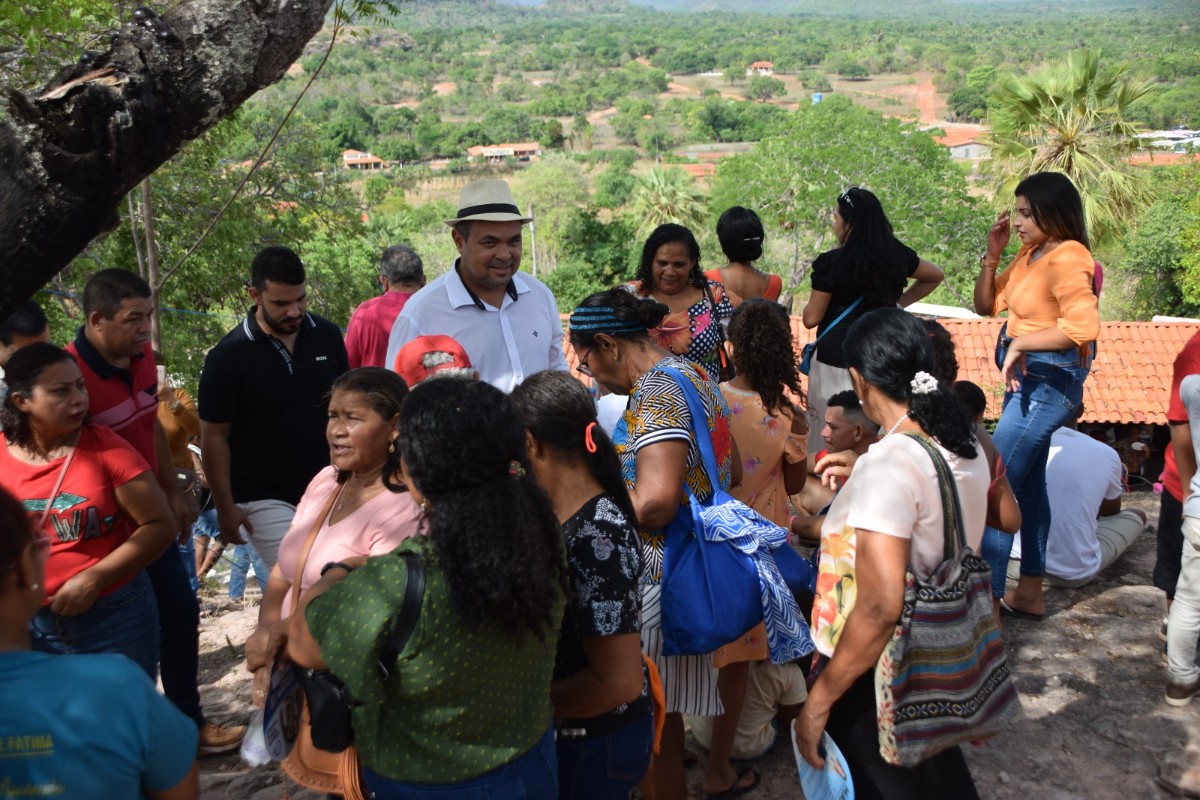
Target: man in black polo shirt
{"x":262,"y":405}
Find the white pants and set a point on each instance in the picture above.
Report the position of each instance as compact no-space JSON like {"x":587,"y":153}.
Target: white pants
{"x":824,"y":382}
{"x":1183,"y":623}
{"x":271,"y":520}
{"x":1115,"y":533}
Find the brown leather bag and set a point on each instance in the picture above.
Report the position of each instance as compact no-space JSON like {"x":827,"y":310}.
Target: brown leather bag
{"x":320,"y":770}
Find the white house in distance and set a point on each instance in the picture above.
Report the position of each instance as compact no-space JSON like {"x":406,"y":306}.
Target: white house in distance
{"x":761,"y":68}
{"x":357,"y":159}
{"x":496,"y":153}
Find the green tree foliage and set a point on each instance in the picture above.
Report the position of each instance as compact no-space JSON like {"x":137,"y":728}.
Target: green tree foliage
{"x":555,"y":186}
{"x":596,"y":256}
{"x":288,"y":201}
{"x":763,"y":88}
{"x":968,"y":103}
{"x":1072,"y":117}
{"x":793,"y":178}
{"x":666,"y":195}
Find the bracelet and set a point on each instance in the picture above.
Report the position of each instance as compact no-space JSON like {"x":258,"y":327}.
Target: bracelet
{"x":983,"y":262}
{"x":336,"y":565}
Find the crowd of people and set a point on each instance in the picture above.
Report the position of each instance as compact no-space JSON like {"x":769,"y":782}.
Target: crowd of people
{"x":443,"y":451}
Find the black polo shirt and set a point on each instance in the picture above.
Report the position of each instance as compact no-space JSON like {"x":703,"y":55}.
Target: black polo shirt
{"x":275,"y":403}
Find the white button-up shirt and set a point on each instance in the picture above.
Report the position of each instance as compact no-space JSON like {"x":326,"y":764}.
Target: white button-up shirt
{"x":505,"y":344}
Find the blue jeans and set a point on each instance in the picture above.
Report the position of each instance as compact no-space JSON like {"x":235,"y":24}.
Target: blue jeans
{"x":606,"y":767}
{"x":1051,"y":392}
{"x":532,"y":776}
{"x":178,"y":632}
{"x":187,"y":552}
{"x":123,"y":621}
{"x":239,"y":569}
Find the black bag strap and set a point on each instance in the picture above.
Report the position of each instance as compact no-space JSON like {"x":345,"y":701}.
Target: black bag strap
{"x":722,"y":358}
{"x":954,"y":539}
{"x":410,"y":613}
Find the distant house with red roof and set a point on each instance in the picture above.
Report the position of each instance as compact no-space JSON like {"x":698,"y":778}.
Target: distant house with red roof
{"x":761,"y":68}
{"x":357,"y":159}
{"x":964,"y":141}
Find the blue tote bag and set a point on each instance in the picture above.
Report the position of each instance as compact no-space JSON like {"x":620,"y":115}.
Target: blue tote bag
{"x":721,"y":576}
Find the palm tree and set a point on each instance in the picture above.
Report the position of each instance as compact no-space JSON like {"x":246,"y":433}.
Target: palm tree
{"x":666,"y":195}
{"x":1072,"y":118}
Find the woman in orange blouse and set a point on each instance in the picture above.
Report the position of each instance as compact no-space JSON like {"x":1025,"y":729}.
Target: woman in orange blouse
{"x":1044,"y":352}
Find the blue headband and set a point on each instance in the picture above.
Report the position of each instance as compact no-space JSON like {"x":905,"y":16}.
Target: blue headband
{"x":601,"y":319}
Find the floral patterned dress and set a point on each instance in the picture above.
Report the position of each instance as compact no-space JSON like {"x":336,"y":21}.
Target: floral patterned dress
{"x":658,"y":412}
{"x":765,"y":443}
{"x":695,"y":334}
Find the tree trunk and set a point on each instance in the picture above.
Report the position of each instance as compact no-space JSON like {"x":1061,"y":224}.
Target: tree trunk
{"x":71,"y":153}
{"x":151,"y":275}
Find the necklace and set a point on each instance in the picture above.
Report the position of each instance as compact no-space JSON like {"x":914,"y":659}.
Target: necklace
{"x":892,"y":429}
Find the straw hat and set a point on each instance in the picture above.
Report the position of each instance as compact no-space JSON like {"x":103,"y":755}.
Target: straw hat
{"x":488,"y":200}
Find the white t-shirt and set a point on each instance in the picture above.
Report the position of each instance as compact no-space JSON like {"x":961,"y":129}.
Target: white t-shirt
{"x":1080,"y":473}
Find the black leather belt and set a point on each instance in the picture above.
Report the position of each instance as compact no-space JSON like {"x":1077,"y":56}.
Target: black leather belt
{"x":603,"y":724}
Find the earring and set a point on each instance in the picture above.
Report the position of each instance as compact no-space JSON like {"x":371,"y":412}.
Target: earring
{"x":424,"y":506}
{"x":391,"y":447}
{"x":33,"y":587}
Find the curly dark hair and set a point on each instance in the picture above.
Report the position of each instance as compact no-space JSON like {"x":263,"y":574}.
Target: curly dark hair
{"x":557,"y":411}
{"x":384,"y":392}
{"x":21,"y":373}
{"x":888,"y":347}
{"x":871,"y":255}
{"x":763,"y":351}
{"x":492,"y":528}
{"x":670,"y":233}
{"x":645,"y":312}
{"x":945,"y":361}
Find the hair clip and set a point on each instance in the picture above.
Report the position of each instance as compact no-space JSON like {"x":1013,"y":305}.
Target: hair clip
{"x":515,"y":469}
{"x":588,"y":441}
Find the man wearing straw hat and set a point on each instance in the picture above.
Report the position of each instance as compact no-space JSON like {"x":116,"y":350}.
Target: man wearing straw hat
{"x":506,"y":321}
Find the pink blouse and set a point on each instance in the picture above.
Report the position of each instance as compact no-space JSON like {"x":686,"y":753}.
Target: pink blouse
{"x":374,"y":529}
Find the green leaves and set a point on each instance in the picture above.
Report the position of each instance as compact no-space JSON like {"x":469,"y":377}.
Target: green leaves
{"x":1072,"y":117}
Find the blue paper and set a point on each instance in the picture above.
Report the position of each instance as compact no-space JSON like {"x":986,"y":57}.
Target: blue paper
{"x":831,"y":783}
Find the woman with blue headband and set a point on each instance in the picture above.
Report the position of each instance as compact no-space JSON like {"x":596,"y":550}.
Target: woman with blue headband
{"x":610,"y":332}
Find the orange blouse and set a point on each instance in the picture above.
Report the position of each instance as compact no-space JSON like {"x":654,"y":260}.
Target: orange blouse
{"x":1056,"y":290}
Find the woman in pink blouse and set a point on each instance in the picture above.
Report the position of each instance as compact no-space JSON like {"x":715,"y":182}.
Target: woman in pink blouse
{"x":360,"y":505}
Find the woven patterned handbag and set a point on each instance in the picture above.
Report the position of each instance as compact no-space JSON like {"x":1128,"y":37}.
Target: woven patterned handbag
{"x":943,"y":677}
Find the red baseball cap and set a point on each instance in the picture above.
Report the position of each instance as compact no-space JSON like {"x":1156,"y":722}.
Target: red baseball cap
{"x":427,"y":356}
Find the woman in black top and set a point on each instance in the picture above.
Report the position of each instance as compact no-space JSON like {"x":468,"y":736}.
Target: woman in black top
{"x":869,"y":262}
{"x":600,"y":693}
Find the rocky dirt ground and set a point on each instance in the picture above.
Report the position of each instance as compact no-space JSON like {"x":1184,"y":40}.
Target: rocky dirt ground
{"x":1091,"y":676}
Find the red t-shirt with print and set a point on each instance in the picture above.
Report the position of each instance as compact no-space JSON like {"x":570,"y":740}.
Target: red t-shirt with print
{"x":85,"y":523}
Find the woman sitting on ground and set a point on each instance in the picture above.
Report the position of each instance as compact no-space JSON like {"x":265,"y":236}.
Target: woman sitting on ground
{"x":465,"y":709}
{"x":886,"y":521}
{"x":600,"y":692}
{"x":740,"y":232}
{"x":55,"y":707}
{"x":358,"y":505}
{"x":98,"y":502}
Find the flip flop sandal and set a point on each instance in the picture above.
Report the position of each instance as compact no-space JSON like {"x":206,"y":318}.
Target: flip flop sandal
{"x":1008,"y":611}
{"x":736,"y":790}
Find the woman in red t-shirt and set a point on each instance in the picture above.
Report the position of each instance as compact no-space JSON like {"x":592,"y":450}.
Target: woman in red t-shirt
{"x":96,"y":499}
